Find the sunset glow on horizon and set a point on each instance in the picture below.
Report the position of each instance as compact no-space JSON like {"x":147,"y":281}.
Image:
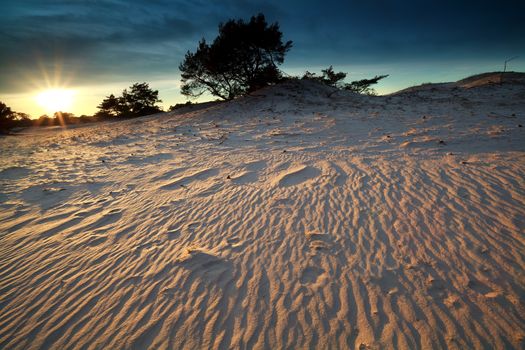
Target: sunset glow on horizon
{"x":95,"y":49}
{"x":56,"y":100}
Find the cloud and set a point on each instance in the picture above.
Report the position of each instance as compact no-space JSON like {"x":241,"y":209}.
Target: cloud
{"x":92,"y":41}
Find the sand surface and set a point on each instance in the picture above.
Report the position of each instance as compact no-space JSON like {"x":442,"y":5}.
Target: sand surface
{"x":287,"y":219}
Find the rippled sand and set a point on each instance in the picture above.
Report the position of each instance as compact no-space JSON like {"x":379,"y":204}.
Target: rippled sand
{"x":288,"y":219}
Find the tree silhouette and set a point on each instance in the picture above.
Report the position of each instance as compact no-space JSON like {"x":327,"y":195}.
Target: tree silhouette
{"x":5,"y":111}
{"x":64,"y":118}
{"x":140,"y":100}
{"x":5,"y":117}
{"x":109,"y":107}
{"x":8,"y":117}
{"x":242,"y":58}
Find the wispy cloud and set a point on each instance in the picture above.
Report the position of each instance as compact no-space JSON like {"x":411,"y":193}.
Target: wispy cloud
{"x":112,"y":40}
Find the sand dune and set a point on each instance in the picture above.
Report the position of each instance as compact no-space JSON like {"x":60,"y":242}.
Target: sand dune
{"x":287,"y":219}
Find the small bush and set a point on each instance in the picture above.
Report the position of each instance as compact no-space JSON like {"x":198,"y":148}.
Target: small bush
{"x":331,"y":78}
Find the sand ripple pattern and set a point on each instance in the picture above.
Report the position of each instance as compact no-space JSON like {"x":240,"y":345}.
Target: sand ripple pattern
{"x":221,"y":245}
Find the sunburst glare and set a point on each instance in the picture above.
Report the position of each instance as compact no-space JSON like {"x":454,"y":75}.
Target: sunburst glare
{"x":55,"y":100}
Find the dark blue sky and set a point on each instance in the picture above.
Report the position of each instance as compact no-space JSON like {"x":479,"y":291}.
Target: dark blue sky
{"x":110,"y":44}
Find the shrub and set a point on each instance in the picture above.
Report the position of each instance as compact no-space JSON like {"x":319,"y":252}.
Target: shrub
{"x":336,"y":80}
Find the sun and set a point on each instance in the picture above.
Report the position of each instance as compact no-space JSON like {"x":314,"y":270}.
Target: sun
{"x":56,"y":100}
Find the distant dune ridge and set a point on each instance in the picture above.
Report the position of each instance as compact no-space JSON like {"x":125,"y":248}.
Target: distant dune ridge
{"x":479,"y":80}
{"x":295,"y":217}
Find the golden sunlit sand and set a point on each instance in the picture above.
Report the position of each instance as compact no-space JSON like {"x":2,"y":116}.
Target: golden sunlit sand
{"x":293,"y":218}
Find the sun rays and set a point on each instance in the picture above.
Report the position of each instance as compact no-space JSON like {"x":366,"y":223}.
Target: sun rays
{"x":55,"y":100}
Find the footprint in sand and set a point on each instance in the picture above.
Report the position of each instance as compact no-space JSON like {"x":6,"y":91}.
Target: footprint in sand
{"x":320,"y":242}
{"x":204,"y":263}
{"x":170,"y":174}
{"x":255,"y":166}
{"x":186,"y":180}
{"x":173,"y":233}
{"x":281,"y":202}
{"x":235,"y":244}
{"x":340,"y":175}
{"x":245,"y":177}
{"x":193,"y":225}
{"x":108,"y":217}
{"x":296,"y":175}
{"x":249,"y":173}
{"x":436,"y":288}
{"x":311,"y":275}
{"x":233,"y":240}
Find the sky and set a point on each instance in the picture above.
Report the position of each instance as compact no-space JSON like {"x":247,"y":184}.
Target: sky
{"x":93,"y":48}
